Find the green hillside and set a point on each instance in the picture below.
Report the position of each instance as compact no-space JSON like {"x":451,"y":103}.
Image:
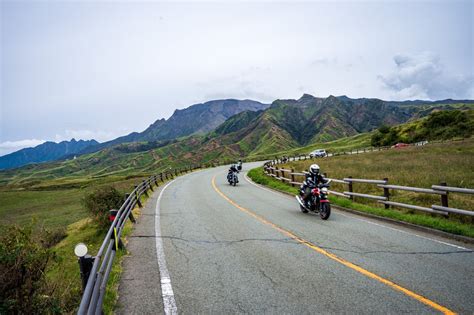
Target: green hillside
{"x":286,"y":127}
{"x":439,"y":125}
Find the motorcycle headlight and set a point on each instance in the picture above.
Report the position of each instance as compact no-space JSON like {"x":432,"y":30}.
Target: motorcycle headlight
{"x":324,"y":190}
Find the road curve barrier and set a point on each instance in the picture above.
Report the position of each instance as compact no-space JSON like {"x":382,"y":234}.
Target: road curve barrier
{"x":95,"y":271}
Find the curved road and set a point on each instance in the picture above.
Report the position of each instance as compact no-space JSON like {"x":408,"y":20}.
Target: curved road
{"x":202,"y":246}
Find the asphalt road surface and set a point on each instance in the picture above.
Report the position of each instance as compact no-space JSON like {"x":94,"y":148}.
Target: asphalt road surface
{"x":203,"y":246}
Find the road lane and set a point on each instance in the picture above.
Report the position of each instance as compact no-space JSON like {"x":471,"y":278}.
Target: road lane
{"x":223,"y":260}
{"x":222,"y":257}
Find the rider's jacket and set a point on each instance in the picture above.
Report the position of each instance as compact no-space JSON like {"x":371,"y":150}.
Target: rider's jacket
{"x":314,"y":179}
{"x":311,"y":181}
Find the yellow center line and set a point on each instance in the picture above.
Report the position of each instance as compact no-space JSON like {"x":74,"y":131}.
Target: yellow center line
{"x":334,"y":257}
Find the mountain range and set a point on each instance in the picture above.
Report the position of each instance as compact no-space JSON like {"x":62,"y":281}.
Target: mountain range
{"x":48,"y":151}
{"x":195,"y":119}
{"x":232,"y":128}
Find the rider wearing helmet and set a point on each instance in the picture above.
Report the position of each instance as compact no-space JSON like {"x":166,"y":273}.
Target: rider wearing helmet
{"x":233,"y":169}
{"x":312,"y":179}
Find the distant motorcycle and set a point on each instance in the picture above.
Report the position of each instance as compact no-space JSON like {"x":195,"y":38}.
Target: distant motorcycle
{"x":239,"y":166}
{"x":318,"y":200}
{"x":232,"y":178}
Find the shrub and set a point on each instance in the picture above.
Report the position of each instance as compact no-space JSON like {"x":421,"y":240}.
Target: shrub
{"x":101,"y":201}
{"x":24,"y":256}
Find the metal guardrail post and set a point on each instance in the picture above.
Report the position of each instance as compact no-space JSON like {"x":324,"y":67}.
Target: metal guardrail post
{"x":85,"y":266}
{"x":386,"y":194}
{"x":146,"y":188}
{"x":132,"y":218}
{"x":137,"y":198}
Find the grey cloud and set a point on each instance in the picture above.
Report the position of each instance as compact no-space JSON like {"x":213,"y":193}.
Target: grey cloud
{"x":422,"y":76}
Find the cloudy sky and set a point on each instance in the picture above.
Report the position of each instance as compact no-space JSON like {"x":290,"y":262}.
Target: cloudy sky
{"x":90,"y":69}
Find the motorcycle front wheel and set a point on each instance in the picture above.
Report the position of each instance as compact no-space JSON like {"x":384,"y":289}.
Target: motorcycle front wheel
{"x":303,"y":209}
{"x":325,"y":210}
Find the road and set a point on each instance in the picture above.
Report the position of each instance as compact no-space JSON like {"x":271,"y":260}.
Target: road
{"x":220,"y":249}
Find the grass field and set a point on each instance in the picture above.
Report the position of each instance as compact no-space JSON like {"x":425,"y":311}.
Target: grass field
{"x":63,"y":272}
{"x":450,"y":162}
{"x":435,"y":222}
{"x":341,"y":145}
{"x":54,"y":205}
{"x":57,"y":206}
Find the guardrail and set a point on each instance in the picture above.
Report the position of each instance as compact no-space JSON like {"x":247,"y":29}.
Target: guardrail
{"x":95,"y":279}
{"x":290,"y":176}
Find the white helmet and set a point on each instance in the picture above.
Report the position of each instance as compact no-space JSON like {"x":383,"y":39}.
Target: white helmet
{"x":314,"y":169}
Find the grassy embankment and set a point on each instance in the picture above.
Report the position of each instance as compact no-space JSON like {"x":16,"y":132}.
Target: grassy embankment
{"x":341,"y":145}
{"x":58,"y":206}
{"x":415,"y":166}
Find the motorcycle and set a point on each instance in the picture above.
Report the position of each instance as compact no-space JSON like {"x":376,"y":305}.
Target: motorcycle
{"x":239,"y":166}
{"x":318,"y":201}
{"x":232,"y":178}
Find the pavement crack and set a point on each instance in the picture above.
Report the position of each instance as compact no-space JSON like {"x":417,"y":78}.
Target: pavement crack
{"x":274,"y":284}
{"x":284,"y":240}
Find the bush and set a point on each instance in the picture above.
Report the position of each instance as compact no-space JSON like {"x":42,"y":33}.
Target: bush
{"x":101,"y":201}
{"x":24,"y":256}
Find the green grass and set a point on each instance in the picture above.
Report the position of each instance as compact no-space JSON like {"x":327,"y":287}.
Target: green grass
{"x":431,"y":221}
{"x":449,"y":162}
{"x":64,"y":274}
{"x":52,"y":208}
{"x":341,"y":145}
{"x":56,"y":205}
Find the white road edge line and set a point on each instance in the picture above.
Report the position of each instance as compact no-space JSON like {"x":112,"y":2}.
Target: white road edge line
{"x":366,"y":221}
{"x":169,"y":303}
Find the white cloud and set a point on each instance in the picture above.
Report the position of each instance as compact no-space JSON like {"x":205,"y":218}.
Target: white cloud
{"x":12,"y":146}
{"x":422,"y":76}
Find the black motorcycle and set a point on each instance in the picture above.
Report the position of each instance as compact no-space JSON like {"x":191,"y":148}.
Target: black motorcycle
{"x":318,"y":200}
{"x":232,"y":178}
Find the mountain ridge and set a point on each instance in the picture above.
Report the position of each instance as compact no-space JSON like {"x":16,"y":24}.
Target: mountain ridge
{"x":45,"y":152}
{"x":252,"y":128}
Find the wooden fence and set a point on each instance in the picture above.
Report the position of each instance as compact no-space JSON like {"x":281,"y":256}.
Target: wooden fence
{"x":294,"y":178}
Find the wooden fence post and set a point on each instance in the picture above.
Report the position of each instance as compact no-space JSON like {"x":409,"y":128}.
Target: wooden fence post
{"x":292,"y":177}
{"x":277,"y":172}
{"x":444,"y":198}
{"x":386,"y":193}
{"x":351,"y":189}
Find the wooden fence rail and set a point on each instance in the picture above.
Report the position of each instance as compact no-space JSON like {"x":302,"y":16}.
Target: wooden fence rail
{"x":289,"y":176}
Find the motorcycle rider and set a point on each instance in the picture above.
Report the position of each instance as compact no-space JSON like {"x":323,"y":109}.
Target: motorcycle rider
{"x":312,"y":179}
{"x":233,"y":169}
{"x":239,"y":165}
